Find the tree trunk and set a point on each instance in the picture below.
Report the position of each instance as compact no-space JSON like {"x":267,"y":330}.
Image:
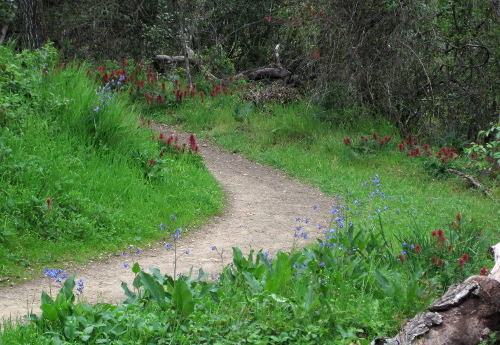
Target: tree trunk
{"x":5,"y":28}
{"x":33,"y":35}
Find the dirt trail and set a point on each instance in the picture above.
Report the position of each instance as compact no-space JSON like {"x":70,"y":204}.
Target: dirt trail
{"x":263,"y":204}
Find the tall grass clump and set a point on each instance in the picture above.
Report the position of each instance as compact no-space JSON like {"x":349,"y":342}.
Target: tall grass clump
{"x":80,"y":175}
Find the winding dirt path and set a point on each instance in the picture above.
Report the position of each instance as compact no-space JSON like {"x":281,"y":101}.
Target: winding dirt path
{"x":262,"y":207}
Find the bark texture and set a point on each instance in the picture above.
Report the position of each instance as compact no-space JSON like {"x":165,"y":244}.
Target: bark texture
{"x":33,"y":35}
{"x":465,"y":315}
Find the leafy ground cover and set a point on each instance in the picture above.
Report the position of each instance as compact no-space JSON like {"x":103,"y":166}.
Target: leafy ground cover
{"x":399,"y":234}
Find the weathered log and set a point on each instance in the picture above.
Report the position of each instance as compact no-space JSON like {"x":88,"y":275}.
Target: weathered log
{"x":471,"y":180}
{"x":465,"y":315}
{"x":270,"y":72}
{"x":167,"y":59}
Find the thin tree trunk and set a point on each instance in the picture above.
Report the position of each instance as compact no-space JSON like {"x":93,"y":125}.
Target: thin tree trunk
{"x":4,"y":33}
{"x":33,"y":35}
{"x":179,"y":4}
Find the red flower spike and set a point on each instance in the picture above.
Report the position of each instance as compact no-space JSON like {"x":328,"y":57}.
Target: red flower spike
{"x":458,"y":218}
{"x":192,"y":143}
{"x":433,"y":260}
{"x":450,"y":248}
{"x":440,"y":232}
{"x":151,"y":163}
{"x":401,"y":147}
{"x":347,"y":141}
{"x":401,"y":258}
{"x":162,"y":153}
{"x":374,"y":135}
{"x":484,"y":271}
{"x":418,"y":248}
{"x":433,"y":233}
{"x":162,"y":136}
{"x":465,"y":257}
{"x":461,"y":262}
{"x":440,"y":262}
{"x":49,"y":203}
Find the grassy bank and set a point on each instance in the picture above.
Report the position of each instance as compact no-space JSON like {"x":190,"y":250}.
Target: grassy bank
{"x":80,"y":176}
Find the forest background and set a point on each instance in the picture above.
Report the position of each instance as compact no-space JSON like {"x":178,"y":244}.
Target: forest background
{"x":430,"y":67}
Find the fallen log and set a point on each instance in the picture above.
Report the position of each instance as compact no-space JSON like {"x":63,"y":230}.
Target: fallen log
{"x":465,"y":315}
{"x":167,"y":59}
{"x":273,"y":72}
{"x":471,"y":180}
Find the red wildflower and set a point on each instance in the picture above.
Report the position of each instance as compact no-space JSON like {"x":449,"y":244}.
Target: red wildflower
{"x":162,"y":153}
{"x":484,"y":271}
{"x":440,"y":262}
{"x":49,"y":203}
{"x":401,"y":147}
{"x":440,"y":232}
{"x":375,"y":136}
{"x":202,"y":96}
{"x":401,"y":258}
{"x":382,"y":142}
{"x":461,"y":262}
{"x":192,"y":143}
{"x":426,"y":147}
{"x":347,"y":141}
{"x":433,"y":260}
{"x":387,"y":139}
{"x":162,"y":136}
{"x":315,"y":54}
{"x":458,"y":217}
{"x":465,"y":257}
{"x":151,"y":163}
{"x":450,"y":248}
{"x":434,"y":233}
{"x":418,"y":248}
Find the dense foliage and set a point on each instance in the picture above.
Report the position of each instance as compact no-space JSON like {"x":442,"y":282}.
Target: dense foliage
{"x":428,"y":66}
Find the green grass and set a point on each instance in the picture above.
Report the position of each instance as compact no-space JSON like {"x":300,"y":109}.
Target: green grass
{"x":93,"y":165}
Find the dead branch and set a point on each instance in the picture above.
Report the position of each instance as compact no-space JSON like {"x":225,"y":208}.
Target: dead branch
{"x":471,"y":180}
{"x":273,"y":72}
{"x":167,"y":59}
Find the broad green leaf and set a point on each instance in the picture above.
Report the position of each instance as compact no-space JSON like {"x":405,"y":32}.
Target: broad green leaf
{"x":182,"y":298}
{"x":46,"y":299}
{"x":255,"y":285}
{"x":136,"y":268}
{"x":156,"y":289}
{"x":49,"y":312}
